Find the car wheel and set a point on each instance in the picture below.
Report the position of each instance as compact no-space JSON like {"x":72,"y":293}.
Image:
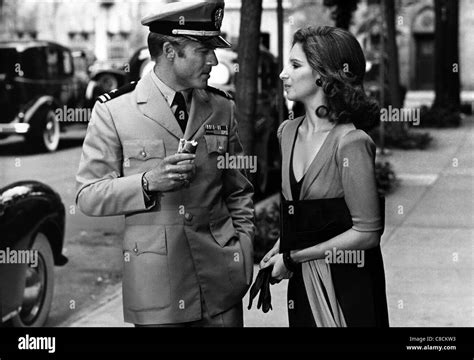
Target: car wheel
{"x":46,"y":136}
{"x":39,"y":287}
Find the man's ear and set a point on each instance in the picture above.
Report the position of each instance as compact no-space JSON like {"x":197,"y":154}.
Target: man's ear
{"x":169,"y":51}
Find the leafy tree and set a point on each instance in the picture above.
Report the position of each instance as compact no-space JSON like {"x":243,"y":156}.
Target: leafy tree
{"x":342,"y":11}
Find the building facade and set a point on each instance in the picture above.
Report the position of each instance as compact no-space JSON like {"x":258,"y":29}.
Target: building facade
{"x":111,"y":29}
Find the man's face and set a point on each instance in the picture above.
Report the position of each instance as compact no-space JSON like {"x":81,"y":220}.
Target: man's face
{"x":193,"y":65}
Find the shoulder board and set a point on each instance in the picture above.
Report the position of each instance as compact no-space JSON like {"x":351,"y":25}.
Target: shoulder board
{"x":220,"y":92}
{"x":117,"y":92}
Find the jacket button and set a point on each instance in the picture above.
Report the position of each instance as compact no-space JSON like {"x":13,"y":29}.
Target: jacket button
{"x":135,"y":250}
{"x":188,"y":216}
{"x":220,"y":149}
{"x":143,"y":153}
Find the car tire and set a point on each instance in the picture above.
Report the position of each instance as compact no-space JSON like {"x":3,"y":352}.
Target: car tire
{"x":39,"y":287}
{"x":45,"y":136}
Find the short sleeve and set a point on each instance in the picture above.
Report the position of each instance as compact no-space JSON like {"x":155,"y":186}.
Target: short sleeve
{"x":280,"y":130}
{"x":356,"y":163}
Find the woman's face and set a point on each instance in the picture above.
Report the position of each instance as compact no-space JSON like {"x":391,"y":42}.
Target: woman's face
{"x":298,"y":76}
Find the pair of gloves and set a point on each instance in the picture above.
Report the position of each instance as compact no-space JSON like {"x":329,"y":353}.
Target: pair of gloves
{"x":262,"y":284}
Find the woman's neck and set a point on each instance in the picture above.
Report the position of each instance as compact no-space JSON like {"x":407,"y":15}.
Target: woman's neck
{"x":312,"y":122}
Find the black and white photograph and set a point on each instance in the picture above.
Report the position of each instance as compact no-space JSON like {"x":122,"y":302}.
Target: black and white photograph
{"x":254,"y":165}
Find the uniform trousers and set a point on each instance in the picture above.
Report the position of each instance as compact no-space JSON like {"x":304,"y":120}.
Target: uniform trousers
{"x":234,"y":317}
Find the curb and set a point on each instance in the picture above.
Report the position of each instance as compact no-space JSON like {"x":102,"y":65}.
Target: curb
{"x":111,"y":293}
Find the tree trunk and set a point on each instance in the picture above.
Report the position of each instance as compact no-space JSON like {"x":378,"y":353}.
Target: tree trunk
{"x":392,"y":54}
{"x":447,"y":83}
{"x":394,"y":96}
{"x":247,"y":75}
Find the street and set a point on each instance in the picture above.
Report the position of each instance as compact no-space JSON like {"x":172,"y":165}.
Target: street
{"x":93,"y":245}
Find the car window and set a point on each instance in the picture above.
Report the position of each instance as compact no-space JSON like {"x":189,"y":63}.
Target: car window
{"x":79,"y":62}
{"x":7,"y":61}
{"x":67,"y":63}
{"x":52,"y":60}
{"x":33,"y":63}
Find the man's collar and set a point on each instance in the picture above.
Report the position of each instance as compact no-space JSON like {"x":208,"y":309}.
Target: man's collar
{"x":168,"y":92}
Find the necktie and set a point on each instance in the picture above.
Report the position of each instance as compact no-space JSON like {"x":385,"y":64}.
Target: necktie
{"x":181,"y":114}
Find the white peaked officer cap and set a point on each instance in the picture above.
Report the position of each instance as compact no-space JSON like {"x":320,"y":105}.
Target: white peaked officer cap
{"x":200,"y":21}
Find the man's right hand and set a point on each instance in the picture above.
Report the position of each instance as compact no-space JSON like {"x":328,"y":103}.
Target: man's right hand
{"x":169,"y":175}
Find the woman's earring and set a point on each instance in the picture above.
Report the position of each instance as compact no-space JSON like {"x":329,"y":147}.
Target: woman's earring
{"x":322,"y":111}
{"x":319,"y":82}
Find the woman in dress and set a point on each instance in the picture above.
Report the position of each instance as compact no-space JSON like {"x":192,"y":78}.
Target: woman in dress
{"x":326,"y":155}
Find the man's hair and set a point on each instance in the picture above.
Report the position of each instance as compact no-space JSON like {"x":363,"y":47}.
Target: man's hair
{"x":156,"y":41}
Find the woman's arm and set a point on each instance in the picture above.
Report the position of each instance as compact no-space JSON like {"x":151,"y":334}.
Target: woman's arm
{"x":348,"y":240}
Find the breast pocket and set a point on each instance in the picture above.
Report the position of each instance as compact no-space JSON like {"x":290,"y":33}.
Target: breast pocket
{"x":216,"y":144}
{"x":142,"y":155}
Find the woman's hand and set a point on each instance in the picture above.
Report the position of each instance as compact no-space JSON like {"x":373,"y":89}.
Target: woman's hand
{"x":275,"y":250}
{"x":279,"y":271}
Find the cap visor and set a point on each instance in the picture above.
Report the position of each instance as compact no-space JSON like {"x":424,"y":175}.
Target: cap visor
{"x":218,"y":42}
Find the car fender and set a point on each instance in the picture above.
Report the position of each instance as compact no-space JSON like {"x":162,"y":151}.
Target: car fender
{"x":27,"y":207}
{"x":33,"y":111}
{"x":90,"y":89}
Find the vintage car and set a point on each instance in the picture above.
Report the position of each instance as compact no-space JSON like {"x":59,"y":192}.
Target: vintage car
{"x":37,"y":83}
{"x":32,"y":234}
{"x":222,"y":77}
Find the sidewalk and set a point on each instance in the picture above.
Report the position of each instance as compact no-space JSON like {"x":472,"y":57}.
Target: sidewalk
{"x":108,"y":312}
{"x":427,"y":244}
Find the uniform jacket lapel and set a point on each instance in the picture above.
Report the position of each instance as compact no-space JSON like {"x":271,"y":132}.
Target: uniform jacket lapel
{"x":154,"y":106}
{"x":200,"y":111}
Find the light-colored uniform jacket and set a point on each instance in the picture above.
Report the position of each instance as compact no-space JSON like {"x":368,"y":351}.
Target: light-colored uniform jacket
{"x":193,"y":242}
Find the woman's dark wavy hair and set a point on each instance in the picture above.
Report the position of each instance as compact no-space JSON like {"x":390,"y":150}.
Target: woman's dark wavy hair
{"x":337,"y":56}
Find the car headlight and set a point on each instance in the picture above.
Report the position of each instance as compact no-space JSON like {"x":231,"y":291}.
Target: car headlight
{"x":220,"y":75}
{"x":108,"y":82}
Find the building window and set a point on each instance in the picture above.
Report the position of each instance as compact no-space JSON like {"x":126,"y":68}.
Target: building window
{"x":118,"y":47}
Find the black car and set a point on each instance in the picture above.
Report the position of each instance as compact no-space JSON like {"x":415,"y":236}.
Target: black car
{"x":40,"y":92}
{"x":32,"y":220}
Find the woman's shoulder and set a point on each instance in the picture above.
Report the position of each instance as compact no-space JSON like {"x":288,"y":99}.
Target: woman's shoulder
{"x":284,"y":124}
{"x":351,"y":138}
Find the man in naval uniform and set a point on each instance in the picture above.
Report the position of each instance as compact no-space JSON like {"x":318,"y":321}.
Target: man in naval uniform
{"x":189,"y":224}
